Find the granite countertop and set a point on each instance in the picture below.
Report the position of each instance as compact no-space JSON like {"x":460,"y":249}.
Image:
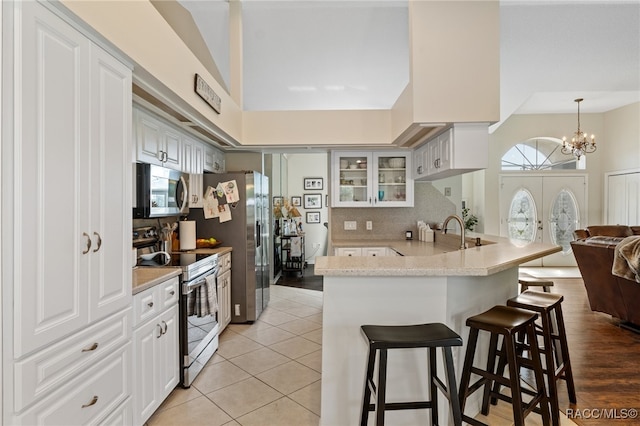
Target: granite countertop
{"x":145,"y":277}
{"x":439,"y":258}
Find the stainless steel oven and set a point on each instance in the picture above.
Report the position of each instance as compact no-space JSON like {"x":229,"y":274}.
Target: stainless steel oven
{"x":198,"y":332}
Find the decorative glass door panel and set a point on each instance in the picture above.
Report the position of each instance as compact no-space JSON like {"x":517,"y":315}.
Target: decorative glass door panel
{"x":563,"y":220}
{"x":523,"y":219}
{"x":393,"y":185}
{"x":354,"y":179}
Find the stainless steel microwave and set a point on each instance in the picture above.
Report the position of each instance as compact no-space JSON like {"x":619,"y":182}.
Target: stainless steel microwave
{"x":160,"y":192}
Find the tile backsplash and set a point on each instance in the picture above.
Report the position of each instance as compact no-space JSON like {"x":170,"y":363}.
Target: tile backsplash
{"x":392,"y":222}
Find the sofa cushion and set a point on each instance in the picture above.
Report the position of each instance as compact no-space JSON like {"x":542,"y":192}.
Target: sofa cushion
{"x":610,"y":230}
{"x":604,"y":241}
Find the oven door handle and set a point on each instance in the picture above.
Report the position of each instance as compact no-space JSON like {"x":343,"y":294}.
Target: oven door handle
{"x":190,"y":286}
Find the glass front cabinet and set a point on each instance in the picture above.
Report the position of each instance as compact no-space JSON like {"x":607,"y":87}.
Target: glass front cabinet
{"x":371,"y":179}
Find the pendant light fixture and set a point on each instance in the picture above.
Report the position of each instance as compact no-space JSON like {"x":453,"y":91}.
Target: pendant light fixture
{"x":580,"y":144}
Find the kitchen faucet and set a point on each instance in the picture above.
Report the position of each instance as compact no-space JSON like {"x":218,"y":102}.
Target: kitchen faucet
{"x":461,"y":223}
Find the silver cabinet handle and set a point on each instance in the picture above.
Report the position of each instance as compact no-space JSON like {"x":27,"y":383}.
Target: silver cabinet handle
{"x":99,"y":242}
{"x":165,"y":327}
{"x":92,"y":402}
{"x":160,"y":331}
{"x":84,"y":234}
{"x":91,"y":348}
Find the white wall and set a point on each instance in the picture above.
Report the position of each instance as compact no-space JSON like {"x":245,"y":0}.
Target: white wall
{"x":299,"y":167}
{"x":619,"y":147}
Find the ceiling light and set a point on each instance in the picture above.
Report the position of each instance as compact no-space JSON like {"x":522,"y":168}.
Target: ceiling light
{"x":580,"y":143}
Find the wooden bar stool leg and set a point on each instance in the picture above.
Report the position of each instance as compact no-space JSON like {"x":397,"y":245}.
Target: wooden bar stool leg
{"x":539,"y":374}
{"x":564,"y":347}
{"x":366,"y":399}
{"x":451,"y":386}
{"x":491,"y":363}
{"x":433,"y":390}
{"x":550,"y":367}
{"x":382,"y":388}
{"x":466,"y":369}
{"x":514,"y":377}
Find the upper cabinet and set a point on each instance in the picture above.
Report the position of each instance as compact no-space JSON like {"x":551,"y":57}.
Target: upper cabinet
{"x":214,"y":160}
{"x":460,"y":149}
{"x":371,"y":179}
{"x":156,"y":142}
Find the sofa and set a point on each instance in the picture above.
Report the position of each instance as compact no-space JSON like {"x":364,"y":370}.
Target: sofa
{"x":594,"y":250}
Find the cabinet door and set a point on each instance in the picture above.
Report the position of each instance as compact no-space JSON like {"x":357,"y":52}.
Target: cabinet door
{"x":433,"y":156}
{"x":172,"y":148}
{"x":352,"y":179}
{"x":149,"y":143}
{"x":147,"y":361}
{"x":393,"y":182}
{"x":419,"y":165}
{"x":169,"y":368}
{"x":52,"y":180}
{"x":224,"y":299}
{"x":110,"y":179}
{"x":445,"y":141}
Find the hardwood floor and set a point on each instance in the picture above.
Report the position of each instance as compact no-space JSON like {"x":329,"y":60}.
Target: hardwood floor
{"x":605,"y":357}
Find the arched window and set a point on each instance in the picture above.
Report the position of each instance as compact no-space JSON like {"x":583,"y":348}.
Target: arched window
{"x":541,"y":153}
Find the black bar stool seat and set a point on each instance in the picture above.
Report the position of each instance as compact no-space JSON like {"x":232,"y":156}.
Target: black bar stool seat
{"x":527,"y":281}
{"x":555,"y":349}
{"x":507,"y":322}
{"x":381,"y":338}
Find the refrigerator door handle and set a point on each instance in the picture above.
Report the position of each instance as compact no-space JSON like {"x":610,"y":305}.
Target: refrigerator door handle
{"x":258,"y":234}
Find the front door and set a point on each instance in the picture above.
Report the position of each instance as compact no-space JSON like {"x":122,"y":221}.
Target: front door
{"x":544,"y":209}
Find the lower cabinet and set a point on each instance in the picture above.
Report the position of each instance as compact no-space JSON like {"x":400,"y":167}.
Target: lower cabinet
{"x":155,"y":349}
{"x":365,"y":251}
{"x":224,"y":291}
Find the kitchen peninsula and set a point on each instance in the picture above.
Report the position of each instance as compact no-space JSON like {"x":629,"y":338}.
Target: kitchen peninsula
{"x":429,"y":282}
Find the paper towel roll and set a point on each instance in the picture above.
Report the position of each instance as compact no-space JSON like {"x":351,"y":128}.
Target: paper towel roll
{"x":187,"y":234}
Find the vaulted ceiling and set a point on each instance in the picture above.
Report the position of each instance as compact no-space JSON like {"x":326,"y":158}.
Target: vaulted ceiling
{"x":333,"y":55}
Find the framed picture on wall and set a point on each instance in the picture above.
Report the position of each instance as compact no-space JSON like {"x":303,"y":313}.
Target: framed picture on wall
{"x":296,"y":201}
{"x":312,"y":201}
{"x":313,"y":183}
{"x":313,"y":217}
{"x":277,"y":201}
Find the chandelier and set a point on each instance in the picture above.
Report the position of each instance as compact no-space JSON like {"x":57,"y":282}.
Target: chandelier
{"x":580,"y":143}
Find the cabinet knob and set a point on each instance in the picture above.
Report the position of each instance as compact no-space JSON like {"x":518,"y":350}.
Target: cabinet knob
{"x":92,"y":402}
{"x":91,"y":348}
{"x":172,"y":292}
{"x":150,"y":304}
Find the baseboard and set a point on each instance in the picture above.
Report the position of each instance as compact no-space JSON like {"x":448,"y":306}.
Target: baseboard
{"x":630,"y":326}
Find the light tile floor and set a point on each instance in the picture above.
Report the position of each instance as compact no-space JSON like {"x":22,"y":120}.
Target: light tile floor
{"x":268,"y":373}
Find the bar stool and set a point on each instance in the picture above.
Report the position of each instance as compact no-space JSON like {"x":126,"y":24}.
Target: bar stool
{"x":555,"y":349}
{"x":381,"y":338}
{"x":507,"y":322}
{"x":527,"y":281}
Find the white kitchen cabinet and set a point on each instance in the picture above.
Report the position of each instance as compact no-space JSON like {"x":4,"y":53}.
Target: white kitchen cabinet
{"x":224,"y":291}
{"x":157,"y":142}
{"x":155,"y":348}
{"x":214,"y":160}
{"x":460,"y":149}
{"x":375,"y":251}
{"x":365,"y":251}
{"x":193,"y":156}
{"x":348,"y":251}
{"x":372,"y":179}
{"x":68,"y":252}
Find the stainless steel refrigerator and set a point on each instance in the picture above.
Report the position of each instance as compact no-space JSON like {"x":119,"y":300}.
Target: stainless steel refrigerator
{"x":248,"y":233}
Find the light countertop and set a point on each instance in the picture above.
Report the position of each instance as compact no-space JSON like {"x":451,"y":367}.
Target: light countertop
{"x":440,"y":258}
{"x":145,"y":277}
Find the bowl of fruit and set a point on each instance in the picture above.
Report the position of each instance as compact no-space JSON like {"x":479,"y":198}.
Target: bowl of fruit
{"x":207,"y":242}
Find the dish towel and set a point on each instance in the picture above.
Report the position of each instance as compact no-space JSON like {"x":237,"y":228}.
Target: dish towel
{"x":203,"y":300}
{"x":296,"y":246}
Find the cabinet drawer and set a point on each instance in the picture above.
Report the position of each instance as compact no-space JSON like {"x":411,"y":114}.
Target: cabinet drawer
{"x":50,"y":368}
{"x":88,"y":399}
{"x":149,"y":303}
{"x":349,"y":251}
{"x":225,"y":262}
